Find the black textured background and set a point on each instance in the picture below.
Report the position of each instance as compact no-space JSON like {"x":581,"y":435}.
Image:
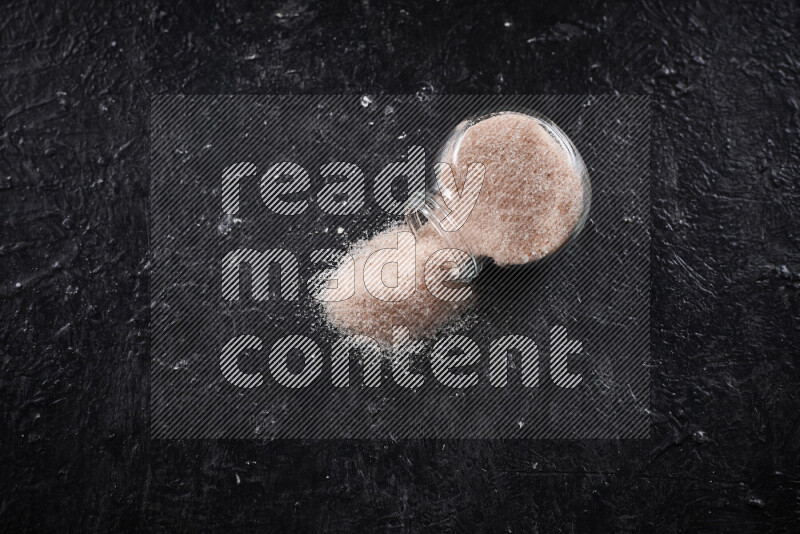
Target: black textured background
{"x":725,"y":440}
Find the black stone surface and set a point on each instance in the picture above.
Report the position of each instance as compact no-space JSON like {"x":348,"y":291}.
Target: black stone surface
{"x":76,"y":81}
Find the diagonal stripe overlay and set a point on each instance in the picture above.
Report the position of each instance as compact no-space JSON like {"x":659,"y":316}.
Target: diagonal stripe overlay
{"x":251,"y":196}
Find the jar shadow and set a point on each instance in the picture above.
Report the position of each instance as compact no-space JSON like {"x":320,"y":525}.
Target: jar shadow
{"x":509,"y":287}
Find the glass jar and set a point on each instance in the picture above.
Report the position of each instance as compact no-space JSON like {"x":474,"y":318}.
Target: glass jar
{"x":430,"y":207}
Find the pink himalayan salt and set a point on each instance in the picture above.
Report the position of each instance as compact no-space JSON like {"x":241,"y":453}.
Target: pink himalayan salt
{"x":531,"y":197}
{"x":422,"y":313}
{"x":530,"y":202}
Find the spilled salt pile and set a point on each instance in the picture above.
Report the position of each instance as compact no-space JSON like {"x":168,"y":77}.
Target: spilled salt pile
{"x":429,"y":304}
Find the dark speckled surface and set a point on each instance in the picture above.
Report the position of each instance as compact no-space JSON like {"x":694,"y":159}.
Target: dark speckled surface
{"x":76,"y":82}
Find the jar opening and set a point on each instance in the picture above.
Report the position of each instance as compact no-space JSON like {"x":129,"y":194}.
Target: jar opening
{"x":429,"y":209}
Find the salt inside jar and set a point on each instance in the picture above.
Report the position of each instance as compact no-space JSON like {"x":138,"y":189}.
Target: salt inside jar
{"x":535,"y":194}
